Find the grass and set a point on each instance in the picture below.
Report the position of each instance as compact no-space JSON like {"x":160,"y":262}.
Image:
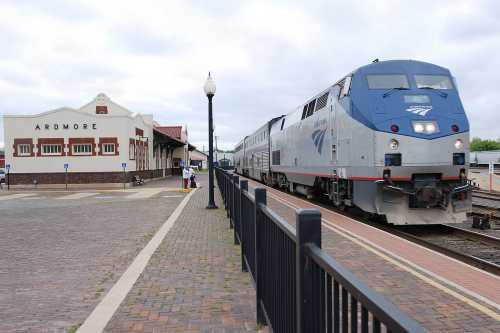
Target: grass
{"x":74,"y":328}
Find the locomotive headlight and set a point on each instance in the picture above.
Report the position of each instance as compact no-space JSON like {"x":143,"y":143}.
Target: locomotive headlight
{"x":459,"y":144}
{"x":418,"y":127}
{"x":394,"y":144}
{"x":430,"y":128}
{"x":426,"y":127}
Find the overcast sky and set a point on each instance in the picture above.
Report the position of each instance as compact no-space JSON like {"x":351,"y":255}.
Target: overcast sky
{"x":267,"y":56}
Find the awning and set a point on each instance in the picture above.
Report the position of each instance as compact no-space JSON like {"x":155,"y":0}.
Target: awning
{"x":164,"y":141}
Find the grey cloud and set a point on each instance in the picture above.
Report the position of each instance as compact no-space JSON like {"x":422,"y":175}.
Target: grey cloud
{"x":60,"y":9}
{"x":284,"y":59}
{"x":138,"y":40}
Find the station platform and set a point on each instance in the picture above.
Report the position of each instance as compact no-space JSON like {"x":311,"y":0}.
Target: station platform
{"x":193,"y":281}
{"x":482,"y":179}
{"x":440,"y":293}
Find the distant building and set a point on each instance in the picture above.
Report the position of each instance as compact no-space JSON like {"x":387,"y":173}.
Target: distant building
{"x":100,"y":142}
{"x":483,"y":158}
{"x":199,"y":159}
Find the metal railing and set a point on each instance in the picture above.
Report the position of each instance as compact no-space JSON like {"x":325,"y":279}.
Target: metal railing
{"x":299,"y":288}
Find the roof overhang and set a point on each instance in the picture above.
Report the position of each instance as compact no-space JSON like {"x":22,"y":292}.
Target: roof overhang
{"x":161,"y":139}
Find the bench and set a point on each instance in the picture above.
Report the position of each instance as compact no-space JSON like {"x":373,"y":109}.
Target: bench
{"x":138,"y":180}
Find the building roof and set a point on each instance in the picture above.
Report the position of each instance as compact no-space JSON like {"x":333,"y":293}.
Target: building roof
{"x":168,"y":137}
{"x":171,"y":131}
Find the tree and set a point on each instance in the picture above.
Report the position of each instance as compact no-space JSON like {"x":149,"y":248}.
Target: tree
{"x":477,"y":144}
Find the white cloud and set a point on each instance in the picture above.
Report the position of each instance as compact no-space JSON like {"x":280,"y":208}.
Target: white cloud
{"x":153,"y":56}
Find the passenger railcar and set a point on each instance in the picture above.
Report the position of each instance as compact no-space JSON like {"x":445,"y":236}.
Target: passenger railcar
{"x":256,"y":153}
{"x":239,"y":156}
{"x":391,"y":138}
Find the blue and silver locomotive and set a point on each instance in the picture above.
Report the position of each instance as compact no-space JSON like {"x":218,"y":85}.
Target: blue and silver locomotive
{"x":391,"y":138}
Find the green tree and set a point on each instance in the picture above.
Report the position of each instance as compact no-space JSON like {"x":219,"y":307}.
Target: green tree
{"x":477,"y":144}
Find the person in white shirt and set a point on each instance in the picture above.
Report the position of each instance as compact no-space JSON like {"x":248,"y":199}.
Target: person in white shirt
{"x":185,"y":176}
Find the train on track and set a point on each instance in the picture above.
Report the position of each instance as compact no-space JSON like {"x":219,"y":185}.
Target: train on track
{"x":391,"y":138}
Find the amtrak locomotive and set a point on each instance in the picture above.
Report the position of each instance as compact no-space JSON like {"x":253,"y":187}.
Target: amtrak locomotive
{"x":391,"y":138}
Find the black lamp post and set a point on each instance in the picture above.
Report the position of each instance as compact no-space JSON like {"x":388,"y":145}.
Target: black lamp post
{"x":210,"y":92}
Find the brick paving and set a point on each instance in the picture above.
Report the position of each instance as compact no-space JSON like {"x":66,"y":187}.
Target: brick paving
{"x":58,"y":258}
{"x":193,"y":282}
{"x":434,"y":309}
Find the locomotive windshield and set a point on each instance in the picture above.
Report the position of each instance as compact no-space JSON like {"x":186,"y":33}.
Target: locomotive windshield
{"x":387,"y":81}
{"x":433,"y":82}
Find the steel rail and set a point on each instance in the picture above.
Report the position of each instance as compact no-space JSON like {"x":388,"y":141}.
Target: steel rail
{"x":463,"y":257}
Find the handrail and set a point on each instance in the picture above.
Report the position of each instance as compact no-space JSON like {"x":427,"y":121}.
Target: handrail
{"x":248,"y":195}
{"x":290,"y":270}
{"x":385,"y":311}
{"x":279,"y":221}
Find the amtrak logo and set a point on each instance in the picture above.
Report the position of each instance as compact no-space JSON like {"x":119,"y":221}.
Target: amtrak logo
{"x":421,"y":110}
{"x":318,"y":136}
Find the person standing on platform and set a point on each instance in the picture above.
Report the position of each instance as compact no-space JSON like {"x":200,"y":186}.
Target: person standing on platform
{"x":185,"y":176}
{"x":192,"y":178}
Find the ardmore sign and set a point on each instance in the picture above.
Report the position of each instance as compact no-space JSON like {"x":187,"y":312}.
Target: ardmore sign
{"x":75,"y":126}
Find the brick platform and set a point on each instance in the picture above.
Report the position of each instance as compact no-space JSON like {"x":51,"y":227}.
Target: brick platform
{"x":437,"y":305}
{"x":58,"y":258}
{"x":193,"y":282}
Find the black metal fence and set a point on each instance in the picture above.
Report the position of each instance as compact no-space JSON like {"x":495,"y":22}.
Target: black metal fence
{"x":299,"y":288}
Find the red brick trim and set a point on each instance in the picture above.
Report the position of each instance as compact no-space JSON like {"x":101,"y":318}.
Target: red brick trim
{"x":99,"y":109}
{"x":72,"y":141}
{"x":139,"y":132}
{"x":28,"y":141}
{"x":138,"y":155}
{"x":102,"y":141}
{"x":47,"y":141}
{"x":132,"y":142}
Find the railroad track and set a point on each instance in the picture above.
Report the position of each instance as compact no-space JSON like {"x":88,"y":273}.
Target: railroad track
{"x":476,"y":249}
{"x":493,"y":196}
{"x":473,"y":248}
{"x":486,"y":203}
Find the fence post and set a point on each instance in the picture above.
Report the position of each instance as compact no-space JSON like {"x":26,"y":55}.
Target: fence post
{"x":228,"y":196}
{"x":260,"y":198}
{"x":234,"y":213}
{"x":308,"y":224}
{"x":243,"y":187}
{"x":224,"y":180}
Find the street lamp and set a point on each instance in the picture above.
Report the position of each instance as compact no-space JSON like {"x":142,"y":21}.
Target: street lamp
{"x":210,"y":92}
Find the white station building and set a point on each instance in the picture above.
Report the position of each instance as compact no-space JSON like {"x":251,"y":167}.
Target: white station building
{"x":101,"y":142}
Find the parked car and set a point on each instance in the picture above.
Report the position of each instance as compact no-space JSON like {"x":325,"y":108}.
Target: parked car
{"x":2,"y":176}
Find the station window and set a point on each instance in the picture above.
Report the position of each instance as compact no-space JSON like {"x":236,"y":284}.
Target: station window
{"x":52,"y":149}
{"x":131,"y":151}
{"x":108,"y":148}
{"x":82,"y":149}
{"x":24,"y":150}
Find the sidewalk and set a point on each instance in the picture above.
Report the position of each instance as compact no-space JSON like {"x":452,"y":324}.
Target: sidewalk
{"x":193,"y":282}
